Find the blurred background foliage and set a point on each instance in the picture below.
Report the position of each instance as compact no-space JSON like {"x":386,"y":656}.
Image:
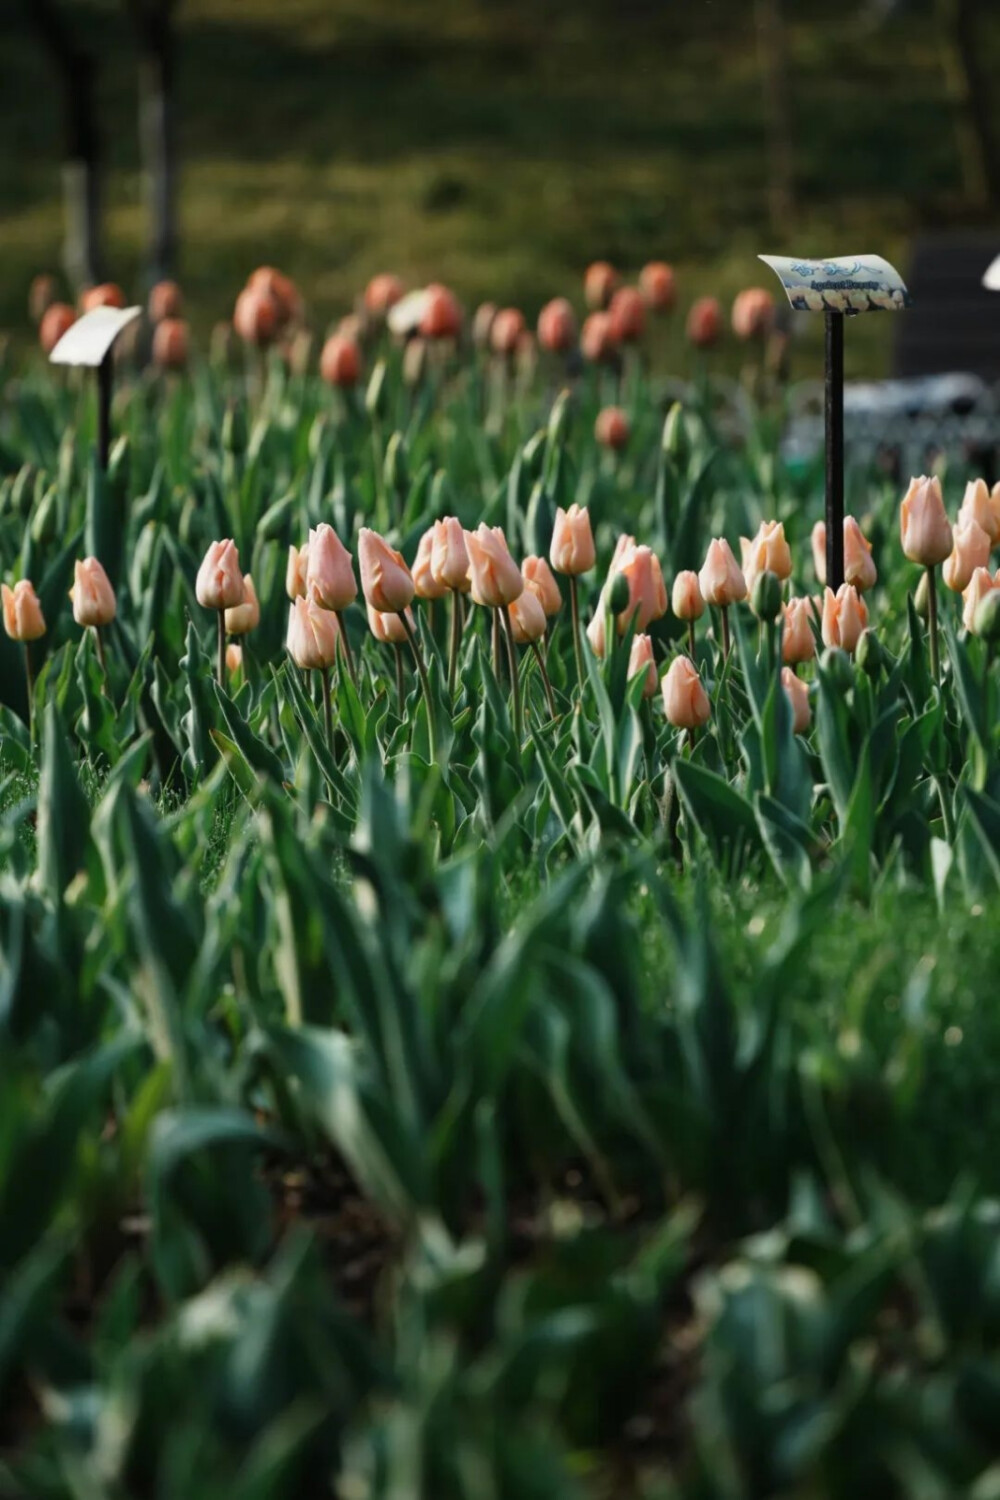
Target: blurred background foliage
{"x":500,"y":145}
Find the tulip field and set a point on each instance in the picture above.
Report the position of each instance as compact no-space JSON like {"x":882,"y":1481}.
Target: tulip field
{"x":497,"y":962}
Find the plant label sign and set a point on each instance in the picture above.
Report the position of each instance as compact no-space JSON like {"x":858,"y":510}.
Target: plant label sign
{"x":991,"y":280}
{"x":90,"y":338}
{"x":849,"y":284}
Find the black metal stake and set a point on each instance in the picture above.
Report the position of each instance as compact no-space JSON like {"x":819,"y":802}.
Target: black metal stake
{"x":834,"y":449}
{"x":105,"y":380}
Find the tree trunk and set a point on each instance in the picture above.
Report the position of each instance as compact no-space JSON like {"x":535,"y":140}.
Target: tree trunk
{"x":154,"y":31}
{"x":772,"y":51}
{"x":970,"y":90}
{"x":76,"y":71}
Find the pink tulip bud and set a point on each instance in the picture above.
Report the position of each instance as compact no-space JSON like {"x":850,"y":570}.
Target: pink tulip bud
{"x":859,"y":566}
{"x":704,"y":322}
{"x":340,"y":361}
{"x":686,"y":599}
{"x":970,"y":550}
{"x":647,"y":592}
{"x":641,"y":659}
{"x":818,"y":539}
{"x":572,"y":550}
{"x":923,"y":523}
{"x":527,"y":618}
{"x":506,"y":329}
{"x":388,"y":628}
{"x":243,"y":618}
{"x":234,"y":658}
{"x":449,"y":555}
{"x":658,"y":286}
{"x":296,"y":571}
{"x":845,"y":616}
{"x":612,"y":428}
{"x":496,"y":578}
{"x":798,"y":643}
{"x":753,"y":313}
{"x":797,"y":693}
{"x":768,"y":552}
{"x":385,"y":578}
{"x":382,"y":292}
{"x":595,"y":631}
{"x":22,"y":613}
{"x":980,"y":584}
{"x":597,"y":343}
{"x":979,"y":504}
{"x":92,"y":595}
{"x":684,"y":699}
{"x":219,"y":584}
{"x":538,"y":578}
{"x":628,"y":315}
{"x":312,"y":635}
{"x":424,"y":582}
{"x":442,"y":317}
{"x":557,"y":326}
{"x":720,"y":580}
{"x":329,"y":570}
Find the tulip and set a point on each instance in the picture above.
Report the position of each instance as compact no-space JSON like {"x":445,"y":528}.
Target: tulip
{"x":641,"y":659}
{"x":442,"y":316}
{"x":859,"y":566}
{"x":482,"y":324}
{"x":538,"y":578}
{"x":165,"y":301}
{"x":704,"y":322}
{"x":234,"y":658}
{"x":845,"y":616}
{"x":505,"y":330}
{"x":496,"y":583}
{"x":22,"y":613}
{"x":798,"y":643}
{"x":721,"y":582}
{"x":171,"y":344}
{"x":297,"y":571}
{"x":658,"y":286}
{"x":257,"y":316}
{"x":381,"y":293}
{"x":108,"y":294}
{"x":987,"y":621}
{"x":628,"y":315}
{"x":386,"y":580}
{"x":389,"y":629}
{"x":42,"y":294}
{"x":425,"y":585}
{"x":970,"y":550}
{"x":597,"y":342}
{"x":612,"y":428}
{"x":979,"y":504}
{"x":572,"y":550}
{"x":687,"y":603}
{"x":599,"y":284}
{"x":684,"y":699}
{"x":219,"y":586}
{"x":980,"y":584}
{"x":23,"y":621}
{"x":329,"y":579}
{"x":753,"y":313}
{"x":92,"y":595}
{"x":56,"y":320}
{"x":927,"y":540}
{"x":797,"y":693}
{"x":312,"y":645}
{"x":557,"y":326}
{"x":768,"y":552}
{"x":340,"y":361}
{"x":818,"y":540}
{"x":527,"y":617}
{"x":450,"y":569}
{"x":647,"y":593}
{"x":243,"y":618}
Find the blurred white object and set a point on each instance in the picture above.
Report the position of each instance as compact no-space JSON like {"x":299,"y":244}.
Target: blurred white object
{"x":991,"y":281}
{"x":90,"y":337}
{"x":406,"y":315}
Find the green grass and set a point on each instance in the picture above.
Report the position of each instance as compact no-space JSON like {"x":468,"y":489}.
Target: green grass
{"x":499,"y":146}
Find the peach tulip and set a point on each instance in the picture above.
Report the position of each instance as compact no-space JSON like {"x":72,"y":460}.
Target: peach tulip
{"x":599,"y":284}
{"x":92,"y":595}
{"x":845,"y":616}
{"x":720,"y":580}
{"x":818,"y":541}
{"x":767,"y":552}
{"x":924,"y":526}
{"x":557,"y":326}
{"x":641,"y":659}
{"x":219,"y":584}
{"x":234,"y":658}
{"x":980,"y":584}
{"x":538,"y":578}
{"x":753,"y":313}
{"x":382,"y":292}
{"x":647,"y":593}
{"x":329,"y":572}
{"x":22,"y":612}
{"x":496,"y":578}
{"x":859,"y":565}
{"x":340,"y":361}
{"x":243,"y":618}
{"x":312,"y":635}
{"x":798,"y":643}
{"x":386,"y":580}
{"x":704,"y":322}
{"x":449,"y":555}
{"x":527,"y":618}
{"x":686,"y":599}
{"x":425,"y":584}
{"x":970,"y":550}
{"x":981,"y":505}
{"x":389,"y":628}
{"x":165,"y":301}
{"x":658,"y":286}
{"x":684,"y":699}
{"x":506,"y":329}
{"x":442,"y":316}
{"x":171,"y":344}
{"x":108,"y":294}
{"x":628,"y":315}
{"x":597,"y":342}
{"x":296,"y":571}
{"x":612,"y":428}
{"x":797,"y":693}
{"x":572,"y":550}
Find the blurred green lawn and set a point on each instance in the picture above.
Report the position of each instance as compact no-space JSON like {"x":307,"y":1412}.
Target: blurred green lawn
{"x":496,"y":144}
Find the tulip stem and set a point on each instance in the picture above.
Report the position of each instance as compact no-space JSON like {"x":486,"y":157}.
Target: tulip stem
{"x":545,"y":679}
{"x":691,"y":639}
{"x":400,"y":692}
{"x":456,"y":637}
{"x":101,"y":657}
{"x":932,"y":623}
{"x":497,"y":648}
{"x":724,"y":612}
{"x":424,"y":680}
{"x":29,"y":677}
{"x":348,"y":653}
{"x":514,"y":674}
{"x":324,"y":678}
{"x":574,"y":604}
{"x":220,"y":666}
